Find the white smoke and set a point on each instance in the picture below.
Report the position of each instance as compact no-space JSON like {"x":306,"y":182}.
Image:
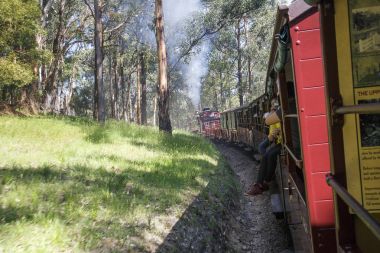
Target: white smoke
{"x":196,"y":69}
{"x":176,"y":12}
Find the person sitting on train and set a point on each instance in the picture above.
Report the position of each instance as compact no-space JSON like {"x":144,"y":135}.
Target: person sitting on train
{"x":266,"y":142}
{"x":269,"y":159}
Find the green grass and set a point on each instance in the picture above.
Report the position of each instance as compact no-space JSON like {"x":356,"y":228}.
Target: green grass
{"x":68,"y":185}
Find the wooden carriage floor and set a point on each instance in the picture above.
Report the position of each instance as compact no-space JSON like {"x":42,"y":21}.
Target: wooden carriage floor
{"x":254,"y":228}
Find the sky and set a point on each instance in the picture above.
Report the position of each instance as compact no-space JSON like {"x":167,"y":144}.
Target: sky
{"x":175,"y":12}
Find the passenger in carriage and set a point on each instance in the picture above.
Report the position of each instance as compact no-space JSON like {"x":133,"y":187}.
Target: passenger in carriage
{"x":269,"y":159}
{"x":266,"y":142}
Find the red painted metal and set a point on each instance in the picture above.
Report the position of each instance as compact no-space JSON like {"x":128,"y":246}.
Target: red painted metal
{"x":309,"y":81}
{"x":210,"y":123}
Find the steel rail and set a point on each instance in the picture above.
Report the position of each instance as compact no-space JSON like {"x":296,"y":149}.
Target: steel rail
{"x":291,"y":116}
{"x":298,"y":162}
{"x":362,"y":213}
{"x":373,"y":108}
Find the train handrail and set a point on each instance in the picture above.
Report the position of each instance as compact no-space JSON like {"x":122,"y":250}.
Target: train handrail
{"x":351,"y":202}
{"x":291,"y":116}
{"x":372,"y":108}
{"x":298,"y":162}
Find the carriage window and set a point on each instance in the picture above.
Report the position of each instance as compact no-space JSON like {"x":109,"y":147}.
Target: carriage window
{"x":294,"y":128}
{"x":292,"y":132}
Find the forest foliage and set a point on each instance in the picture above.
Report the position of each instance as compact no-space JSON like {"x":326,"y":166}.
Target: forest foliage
{"x":19,"y":25}
{"x":48,"y":59}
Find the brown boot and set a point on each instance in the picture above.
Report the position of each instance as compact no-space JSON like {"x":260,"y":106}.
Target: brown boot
{"x":265,"y":186}
{"x":255,"y":189}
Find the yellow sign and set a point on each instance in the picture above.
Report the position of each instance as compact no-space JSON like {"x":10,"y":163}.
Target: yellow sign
{"x":364,"y":18}
{"x":357,"y":33}
{"x":368,"y":132}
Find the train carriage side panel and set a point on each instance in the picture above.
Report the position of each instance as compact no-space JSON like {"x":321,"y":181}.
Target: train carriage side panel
{"x":309,"y":81}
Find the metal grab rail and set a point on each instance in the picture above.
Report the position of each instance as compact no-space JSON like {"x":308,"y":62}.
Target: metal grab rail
{"x":373,"y":108}
{"x":298,"y":162}
{"x":362,"y":213}
{"x":291,"y":116}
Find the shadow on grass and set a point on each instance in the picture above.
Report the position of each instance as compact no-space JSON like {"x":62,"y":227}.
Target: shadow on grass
{"x":11,"y":214}
{"x":202,"y":227}
{"x":99,"y":199}
{"x":147,"y":137}
{"x":98,"y":135}
{"x":140,"y":136}
{"x":178,"y":143}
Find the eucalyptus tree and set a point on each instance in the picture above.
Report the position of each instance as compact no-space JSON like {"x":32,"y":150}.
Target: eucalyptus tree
{"x":96,"y":7}
{"x":241,"y":32}
{"x":64,"y":23}
{"x":19,"y":55}
{"x":163,"y":101}
{"x":219,"y":87}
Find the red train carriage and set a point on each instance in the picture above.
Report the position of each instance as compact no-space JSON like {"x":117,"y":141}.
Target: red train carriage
{"x":209,"y":123}
{"x":297,"y":70}
{"x":296,"y":67}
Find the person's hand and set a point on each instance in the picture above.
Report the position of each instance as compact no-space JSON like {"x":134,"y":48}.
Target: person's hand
{"x":276,"y":132}
{"x":270,"y":137}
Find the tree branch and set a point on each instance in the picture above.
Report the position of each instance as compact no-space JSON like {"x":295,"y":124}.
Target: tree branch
{"x":89,"y":7}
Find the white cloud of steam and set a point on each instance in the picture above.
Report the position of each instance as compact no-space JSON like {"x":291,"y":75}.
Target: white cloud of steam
{"x":196,"y":69}
{"x":175,"y":13}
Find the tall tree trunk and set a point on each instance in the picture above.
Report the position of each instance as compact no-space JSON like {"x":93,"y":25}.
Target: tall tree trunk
{"x":95,"y":99}
{"x":215,"y":100}
{"x":45,"y":7}
{"x":246,"y":31}
{"x":216,"y":107}
{"x":111,"y":85}
{"x":4,"y":94}
{"x":117,"y":82}
{"x":56,"y":103}
{"x":98,"y":41}
{"x":155,"y":111}
{"x":69,"y":95}
{"x":138,"y":93}
{"x":222,"y":97}
{"x":163,"y":102}
{"x":249,"y":74}
{"x":123,"y":94}
{"x":133,"y":107}
{"x":143,"y":88}
{"x":51,"y":86}
{"x":128,"y":114}
{"x":239,"y":51}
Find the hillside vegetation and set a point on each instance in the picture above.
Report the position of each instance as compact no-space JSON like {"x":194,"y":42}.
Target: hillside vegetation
{"x":68,"y":185}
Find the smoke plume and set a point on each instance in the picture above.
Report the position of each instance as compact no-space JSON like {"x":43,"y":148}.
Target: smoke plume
{"x":176,"y":12}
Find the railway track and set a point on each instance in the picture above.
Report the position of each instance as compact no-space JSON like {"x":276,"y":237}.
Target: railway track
{"x":254,"y":228}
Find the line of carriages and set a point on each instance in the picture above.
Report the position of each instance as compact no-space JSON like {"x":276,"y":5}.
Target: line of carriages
{"x":295,"y":78}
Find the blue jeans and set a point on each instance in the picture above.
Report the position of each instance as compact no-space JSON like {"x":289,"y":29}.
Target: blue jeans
{"x":268,"y":164}
{"x":264,"y":145}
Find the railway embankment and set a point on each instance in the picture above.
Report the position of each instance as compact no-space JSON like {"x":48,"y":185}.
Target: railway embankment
{"x":70,"y":185}
{"x":67,"y":184}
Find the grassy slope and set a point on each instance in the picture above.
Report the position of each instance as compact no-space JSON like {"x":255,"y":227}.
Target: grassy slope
{"x":69,"y":185}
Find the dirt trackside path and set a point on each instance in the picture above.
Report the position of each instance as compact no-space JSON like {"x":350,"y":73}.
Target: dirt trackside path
{"x":254,"y":228}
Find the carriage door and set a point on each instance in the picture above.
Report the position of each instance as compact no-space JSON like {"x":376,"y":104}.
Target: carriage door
{"x":351,"y":41}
